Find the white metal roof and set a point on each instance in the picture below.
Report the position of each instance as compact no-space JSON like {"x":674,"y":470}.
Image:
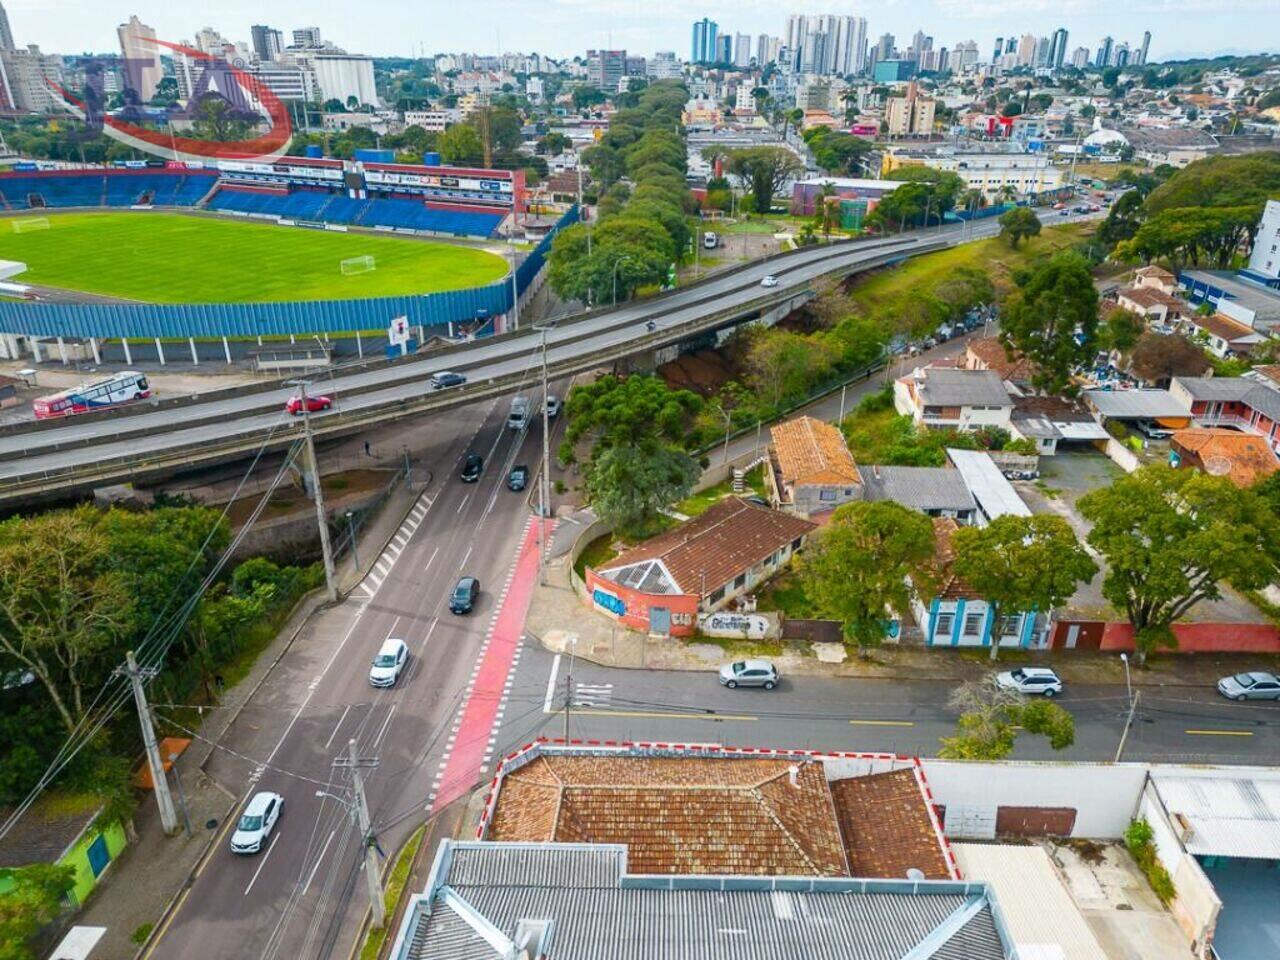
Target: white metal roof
{"x":1136,"y":404}
{"x":1042,"y":918}
{"x":995,"y":495}
{"x":1228,"y":816}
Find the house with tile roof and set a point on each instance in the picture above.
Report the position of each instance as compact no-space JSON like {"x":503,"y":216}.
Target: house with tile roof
{"x":1222,"y":336}
{"x":811,"y":469}
{"x":988,"y":353}
{"x":63,"y":829}
{"x":945,"y":398}
{"x":1245,"y":458}
{"x":660,"y":586}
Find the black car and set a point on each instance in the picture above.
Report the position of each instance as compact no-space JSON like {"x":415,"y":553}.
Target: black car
{"x":472,"y":467}
{"x":464,"y":596}
{"x":518,"y":478}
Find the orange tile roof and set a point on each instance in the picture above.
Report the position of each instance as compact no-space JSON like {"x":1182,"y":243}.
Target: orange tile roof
{"x":693,"y":815}
{"x":991,"y":355}
{"x":1158,"y":272}
{"x":1224,"y":327}
{"x":708,"y":551}
{"x":810,"y":451}
{"x":1248,"y":458}
{"x":886,"y":826}
{"x":1151,"y":297}
{"x":949,"y":586}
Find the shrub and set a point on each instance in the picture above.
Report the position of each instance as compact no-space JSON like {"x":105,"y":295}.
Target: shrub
{"x":140,"y":935}
{"x":1021,"y":445}
{"x":1140,"y":839}
{"x":565,"y":453}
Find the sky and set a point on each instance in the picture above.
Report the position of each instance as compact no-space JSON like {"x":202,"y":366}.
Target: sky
{"x":567,"y":27}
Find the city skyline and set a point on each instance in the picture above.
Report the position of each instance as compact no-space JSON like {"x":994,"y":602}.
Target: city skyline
{"x":560,"y":28}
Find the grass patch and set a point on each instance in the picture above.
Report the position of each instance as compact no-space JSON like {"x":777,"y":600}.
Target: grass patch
{"x":139,"y":936}
{"x":700,"y":503}
{"x":173,"y":258}
{"x":785,"y":593}
{"x":395,"y":889}
{"x":599,"y":551}
{"x":1052,"y":492}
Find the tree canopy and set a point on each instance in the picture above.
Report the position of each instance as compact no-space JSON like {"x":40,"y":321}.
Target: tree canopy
{"x":1019,"y":223}
{"x":766,"y":169}
{"x":1052,"y":318}
{"x":991,"y":718}
{"x":1159,"y":357}
{"x":631,"y":483}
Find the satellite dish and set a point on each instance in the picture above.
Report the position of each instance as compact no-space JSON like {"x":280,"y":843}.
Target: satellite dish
{"x":1217,"y":466}
{"x":915,"y":873}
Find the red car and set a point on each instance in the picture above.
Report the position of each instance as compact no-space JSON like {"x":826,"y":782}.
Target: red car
{"x":314,"y":404}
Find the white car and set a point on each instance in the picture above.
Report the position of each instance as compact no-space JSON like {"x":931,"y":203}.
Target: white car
{"x":256,"y":823}
{"x":553,"y":406}
{"x":769,"y":281}
{"x":1039,"y":680}
{"x":387,"y":665}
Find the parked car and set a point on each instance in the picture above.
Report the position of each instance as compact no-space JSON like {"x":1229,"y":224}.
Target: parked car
{"x":391,"y":658}
{"x":518,"y":478}
{"x":749,"y":673}
{"x":472,"y":468}
{"x":1152,"y":430}
{"x":1250,"y":686}
{"x":709,"y":240}
{"x":314,"y":404}
{"x":553,"y":406}
{"x":256,"y":823}
{"x":446,"y":378}
{"x":464,"y":596}
{"x":769,"y":281}
{"x":1038,"y":680}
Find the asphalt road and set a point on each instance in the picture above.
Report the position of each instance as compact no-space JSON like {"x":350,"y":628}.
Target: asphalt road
{"x":302,"y":897}
{"x":1176,"y":724}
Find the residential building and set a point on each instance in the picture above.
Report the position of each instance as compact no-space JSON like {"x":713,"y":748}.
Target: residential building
{"x":811,"y":470}
{"x":63,"y":831}
{"x":910,"y":115}
{"x":1050,"y":422}
{"x":1058,"y":49}
{"x":935,"y":491}
{"x":293,"y":84}
{"x":661,"y":585}
{"x":1152,"y":296}
{"x":946,"y":398}
{"x":991,"y":491}
{"x":742,"y":50}
{"x":6,"y":34}
{"x":1264,"y":261}
{"x":140,"y":56}
{"x":606,"y":68}
{"x":1145,"y":49}
{"x":268,"y":42}
{"x":433,"y":121}
{"x":341,"y":76}
{"x":1105,"y":51}
{"x":307,"y":38}
{"x":988,"y":353}
{"x":796,"y":34}
{"x":1244,"y":458}
{"x":724,"y":48}
{"x":30,"y":78}
{"x":1238,"y":402}
{"x":1080,"y":57}
{"x":1223,"y":336}
{"x":704,"y":41}
{"x":663,"y":65}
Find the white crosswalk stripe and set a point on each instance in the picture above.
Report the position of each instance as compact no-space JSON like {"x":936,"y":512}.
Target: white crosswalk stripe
{"x":592,"y":694}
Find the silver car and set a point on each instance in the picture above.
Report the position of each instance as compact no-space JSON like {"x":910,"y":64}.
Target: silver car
{"x":749,"y":673}
{"x":1250,"y":686}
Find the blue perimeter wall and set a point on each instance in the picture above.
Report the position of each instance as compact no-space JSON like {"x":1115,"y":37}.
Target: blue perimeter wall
{"x":247,"y":320}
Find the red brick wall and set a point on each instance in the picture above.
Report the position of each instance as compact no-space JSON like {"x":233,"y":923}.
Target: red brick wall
{"x":635,"y":614}
{"x":1204,"y":637}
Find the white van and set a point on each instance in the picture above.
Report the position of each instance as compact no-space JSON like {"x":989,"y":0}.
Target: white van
{"x":518,"y":418}
{"x":709,"y":240}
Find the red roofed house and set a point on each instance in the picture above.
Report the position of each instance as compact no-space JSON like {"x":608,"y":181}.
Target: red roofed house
{"x":663,"y":584}
{"x":1244,"y":457}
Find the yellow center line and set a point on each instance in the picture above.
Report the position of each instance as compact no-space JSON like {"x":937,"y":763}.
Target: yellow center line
{"x":1220,"y":733}
{"x":884,"y":723}
{"x":646,"y":713}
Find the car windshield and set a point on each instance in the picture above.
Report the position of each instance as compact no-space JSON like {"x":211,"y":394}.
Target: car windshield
{"x":1244,"y":679}
{"x":461,"y":590}
{"x":739,"y":666}
{"x":385,"y":660}
{"x":1018,"y":675}
{"x":249,"y":823}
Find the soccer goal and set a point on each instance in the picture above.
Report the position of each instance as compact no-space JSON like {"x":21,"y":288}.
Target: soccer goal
{"x":29,"y":224}
{"x":356,"y":265}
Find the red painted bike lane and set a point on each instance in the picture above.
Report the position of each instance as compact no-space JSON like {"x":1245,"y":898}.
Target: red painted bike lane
{"x":462,"y":766}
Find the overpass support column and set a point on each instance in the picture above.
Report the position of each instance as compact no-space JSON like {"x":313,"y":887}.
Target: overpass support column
{"x":62,"y":351}
{"x":93,"y":345}
{"x":226,"y":350}
{"x":128,"y":354}
{"x":35,"y":349}
{"x":359,"y":346}
{"x":195,"y":357}
{"x":160,"y":351}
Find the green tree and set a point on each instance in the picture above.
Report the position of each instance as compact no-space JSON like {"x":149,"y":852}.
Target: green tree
{"x":554,"y":143}
{"x":214,"y":117}
{"x":766,"y":169}
{"x":461,"y":144}
{"x":33,"y":900}
{"x":1052,"y":318}
{"x":1198,"y":235}
{"x":1019,"y":224}
{"x":630,"y":484}
{"x":1171,"y":538}
{"x":866,"y":565}
{"x":1021,"y":565}
{"x":1120,"y":330}
{"x":991,"y":717}
{"x":1158,"y":357}
{"x":620,"y":411}
{"x":781,"y":364}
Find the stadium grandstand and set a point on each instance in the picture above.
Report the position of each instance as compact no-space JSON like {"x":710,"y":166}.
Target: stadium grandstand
{"x":401,"y":197}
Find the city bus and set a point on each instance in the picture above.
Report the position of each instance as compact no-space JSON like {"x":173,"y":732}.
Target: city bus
{"x":121,"y":388}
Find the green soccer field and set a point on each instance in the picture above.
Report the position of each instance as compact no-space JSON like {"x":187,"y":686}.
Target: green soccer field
{"x":172,"y":258}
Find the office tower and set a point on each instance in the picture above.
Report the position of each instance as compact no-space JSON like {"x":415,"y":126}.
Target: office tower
{"x":999,"y":51}
{"x":1042,"y":52}
{"x":267,"y":42}
{"x":1080,"y":58}
{"x":1146,"y":47}
{"x":1058,"y":48}
{"x":797,"y":33}
{"x":6,"y":35}
{"x":141,"y":58}
{"x":704,"y":41}
{"x":1105,"y":53}
{"x":307,"y":37}
{"x":605,"y":68}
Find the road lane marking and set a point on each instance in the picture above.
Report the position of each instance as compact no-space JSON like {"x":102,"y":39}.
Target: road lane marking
{"x":551,"y":685}
{"x":337,"y":726}
{"x":385,"y":723}
{"x":312,"y":875}
{"x":465,"y":557}
{"x":672,"y":716}
{"x":884,"y":723}
{"x":262,"y":863}
{"x":1220,"y":733}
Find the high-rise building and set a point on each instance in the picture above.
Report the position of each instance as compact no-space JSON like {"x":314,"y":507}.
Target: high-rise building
{"x":1080,"y":57}
{"x":1146,"y":47}
{"x":704,"y":41}
{"x":308,"y":38}
{"x":141,"y":57}
{"x":267,"y":42}
{"x":762,"y":49}
{"x":1104,"y":53}
{"x":341,"y":76}
{"x":999,"y":52}
{"x":724,"y":48}
{"x":1043,"y":45}
{"x":6,"y":35}
{"x":663,"y":65}
{"x":813,"y":53}
{"x":1120,"y":55}
{"x":1058,"y":48}
{"x":30,"y":77}
{"x":797,"y":33}
{"x":742,"y":50}
{"x":964,"y":55}
{"x":858,"y":45}
{"x":1027,"y":50}
{"x":918,"y":42}
{"x":606,"y":68}
{"x":884,"y":48}
{"x":910,"y":115}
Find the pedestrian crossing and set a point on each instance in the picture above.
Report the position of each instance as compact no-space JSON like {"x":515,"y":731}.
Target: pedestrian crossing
{"x":592,"y":694}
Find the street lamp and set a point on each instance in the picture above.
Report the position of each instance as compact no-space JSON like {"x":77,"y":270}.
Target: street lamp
{"x":728,"y":426}
{"x":351,"y":532}
{"x":1128,"y":685}
{"x":617,"y":263}
{"x":544,"y":485}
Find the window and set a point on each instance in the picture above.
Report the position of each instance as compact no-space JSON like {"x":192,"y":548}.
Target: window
{"x":1009,"y":626}
{"x":826,"y":494}
{"x":716,"y":596}
{"x":973,"y":624}
{"x":945,"y":622}
{"x":795,"y":544}
{"x":739,"y":581}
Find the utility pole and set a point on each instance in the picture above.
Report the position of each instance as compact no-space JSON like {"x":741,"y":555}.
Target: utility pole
{"x":311,"y":467}
{"x":515,"y":291}
{"x":372,"y":870}
{"x":568,"y":684}
{"x":544,"y":487}
{"x":159,"y":780}
{"x":1128,"y":723}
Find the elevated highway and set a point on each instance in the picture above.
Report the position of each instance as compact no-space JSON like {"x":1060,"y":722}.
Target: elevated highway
{"x":166,"y":435}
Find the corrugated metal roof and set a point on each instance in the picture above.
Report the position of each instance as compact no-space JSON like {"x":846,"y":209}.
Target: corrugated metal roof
{"x":1036,"y":905}
{"x":921,"y":488}
{"x":995,"y":494}
{"x":1228,"y":816}
{"x":1136,"y":404}
{"x":944,"y":387}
